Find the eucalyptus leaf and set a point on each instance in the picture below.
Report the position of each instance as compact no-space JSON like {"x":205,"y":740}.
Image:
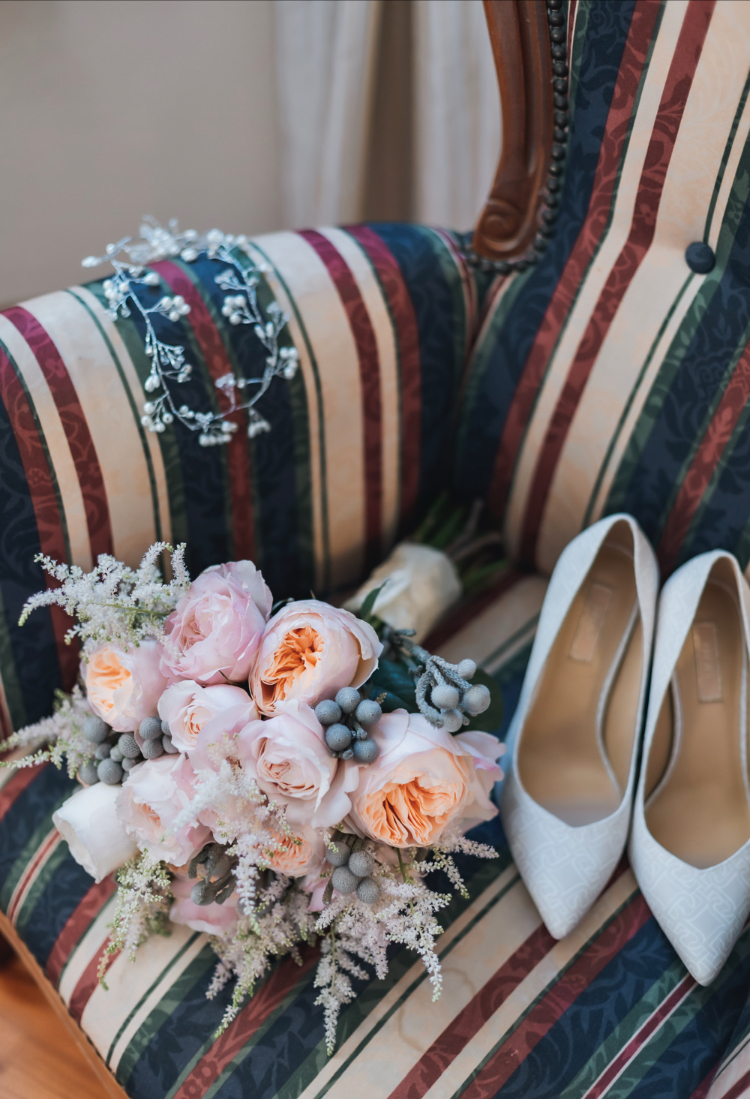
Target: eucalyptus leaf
{"x":369,"y":601}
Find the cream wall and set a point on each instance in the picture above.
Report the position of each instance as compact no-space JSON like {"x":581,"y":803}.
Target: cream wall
{"x":110,"y":109}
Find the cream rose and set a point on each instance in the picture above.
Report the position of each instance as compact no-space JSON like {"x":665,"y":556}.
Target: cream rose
{"x":123,"y":685}
{"x":188,"y":707}
{"x":422,"y":781}
{"x":96,"y":837}
{"x":309,"y":651}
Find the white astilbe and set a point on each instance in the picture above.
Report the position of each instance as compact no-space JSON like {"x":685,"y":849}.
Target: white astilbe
{"x":279,"y":923}
{"x":144,"y":898}
{"x":62,"y":733}
{"x":113,"y":602}
{"x":439,"y":858}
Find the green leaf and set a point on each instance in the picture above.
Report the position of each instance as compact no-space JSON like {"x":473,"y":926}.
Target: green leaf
{"x":369,"y":601}
{"x":393,"y":677}
{"x":492,"y":718}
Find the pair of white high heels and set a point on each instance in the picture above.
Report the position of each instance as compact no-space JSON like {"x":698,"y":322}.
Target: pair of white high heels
{"x":577,"y":782}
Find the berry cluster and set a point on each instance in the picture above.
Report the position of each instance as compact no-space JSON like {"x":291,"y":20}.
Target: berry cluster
{"x":352,"y":869}
{"x":213,"y":868}
{"x":346,"y":719}
{"x":446,"y":697}
{"x":117,"y":753}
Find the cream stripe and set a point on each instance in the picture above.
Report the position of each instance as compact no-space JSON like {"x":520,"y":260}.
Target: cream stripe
{"x":385,"y":338}
{"x":306,"y":367}
{"x":89,"y":947}
{"x":327,"y":326}
{"x":107,"y":1009}
{"x":114,"y":433}
{"x":521,"y":998}
{"x":57,"y":443}
{"x":464,"y":970}
{"x":730,"y":1076}
{"x":580,"y":314}
{"x":509,"y":613}
{"x":688,"y":188}
{"x":139,"y":396}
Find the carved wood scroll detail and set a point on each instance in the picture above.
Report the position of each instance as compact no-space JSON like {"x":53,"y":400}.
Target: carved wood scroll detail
{"x":520,"y":40}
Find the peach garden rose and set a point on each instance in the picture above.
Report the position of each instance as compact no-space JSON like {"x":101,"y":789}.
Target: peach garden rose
{"x":188,"y":707}
{"x":124,"y":685}
{"x":149,"y":804}
{"x":309,"y":651}
{"x":424,"y":780}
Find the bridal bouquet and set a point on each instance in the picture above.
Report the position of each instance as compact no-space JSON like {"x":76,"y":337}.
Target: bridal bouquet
{"x":270,"y":773}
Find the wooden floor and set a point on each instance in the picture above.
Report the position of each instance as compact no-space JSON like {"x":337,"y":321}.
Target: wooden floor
{"x":37,"y":1058}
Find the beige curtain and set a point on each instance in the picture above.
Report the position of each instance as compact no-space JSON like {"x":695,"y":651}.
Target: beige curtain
{"x":388,"y":110}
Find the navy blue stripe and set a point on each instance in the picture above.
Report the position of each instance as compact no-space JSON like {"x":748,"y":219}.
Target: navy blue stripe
{"x":33,"y":806}
{"x":56,"y":904}
{"x":599,"y":68}
{"x":434,"y":294}
{"x":34,"y":649}
{"x":681,"y":418}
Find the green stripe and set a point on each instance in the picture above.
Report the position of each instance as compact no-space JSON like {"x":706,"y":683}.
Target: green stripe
{"x":725,"y":158}
{"x":541,"y":996}
{"x":157,"y":981}
{"x":682,"y":340}
{"x":167,"y":440}
{"x":580,"y":28}
{"x":326,"y":569}
{"x":510,"y":642}
{"x":163,"y":1012}
{"x":133,"y":408}
{"x":42,"y":880}
{"x":29,"y":850}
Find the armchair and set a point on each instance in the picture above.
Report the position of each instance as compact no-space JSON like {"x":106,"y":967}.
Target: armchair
{"x":596,"y":361}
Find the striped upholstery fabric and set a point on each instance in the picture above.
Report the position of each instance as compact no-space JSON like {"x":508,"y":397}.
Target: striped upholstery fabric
{"x":610,"y":376}
{"x":382,"y":318}
{"x":608,"y":1010}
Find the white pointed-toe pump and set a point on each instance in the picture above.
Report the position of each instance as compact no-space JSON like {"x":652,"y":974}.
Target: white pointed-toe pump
{"x":690,"y":843}
{"x":573,"y":743}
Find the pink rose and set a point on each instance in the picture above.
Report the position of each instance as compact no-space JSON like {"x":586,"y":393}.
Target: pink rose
{"x":213,"y":919}
{"x":150,"y":802}
{"x":424,"y":780}
{"x":309,"y":651}
{"x":288,"y":757}
{"x":124,"y":685}
{"x":188,"y":707}
{"x":213,"y":633}
{"x":303,"y":854}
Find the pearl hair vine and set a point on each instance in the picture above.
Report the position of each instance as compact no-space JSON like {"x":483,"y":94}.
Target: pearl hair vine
{"x":239,"y":279}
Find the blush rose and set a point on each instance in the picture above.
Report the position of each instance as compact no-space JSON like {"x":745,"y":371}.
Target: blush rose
{"x":423,"y":781}
{"x":213,"y":633}
{"x":188,"y":707}
{"x":124,"y":685}
{"x":150,"y":803}
{"x":213,"y":919}
{"x":309,"y":651}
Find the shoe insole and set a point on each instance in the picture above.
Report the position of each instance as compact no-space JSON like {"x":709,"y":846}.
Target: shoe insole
{"x":700,"y":812}
{"x":576,"y":746}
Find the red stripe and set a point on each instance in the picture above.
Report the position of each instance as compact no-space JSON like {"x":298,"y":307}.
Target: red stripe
{"x":29,"y":873}
{"x":741,"y":1088}
{"x":628,"y":1052}
{"x":369,"y":371}
{"x":74,"y":424}
{"x":611,"y":151}
{"x":469,"y":1021}
{"x":218,"y":364}
{"x":540,"y":1020}
{"x":76,"y":925}
{"x":704,"y":463}
{"x":16,"y":785}
{"x":251,"y":1018}
{"x":88,"y":981}
{"x":49,"y":523}
{"x":671,"y":108}
{"x":409,"y":358}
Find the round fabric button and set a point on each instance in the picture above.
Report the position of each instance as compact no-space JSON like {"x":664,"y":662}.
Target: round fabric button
{"x":700,"y":258}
